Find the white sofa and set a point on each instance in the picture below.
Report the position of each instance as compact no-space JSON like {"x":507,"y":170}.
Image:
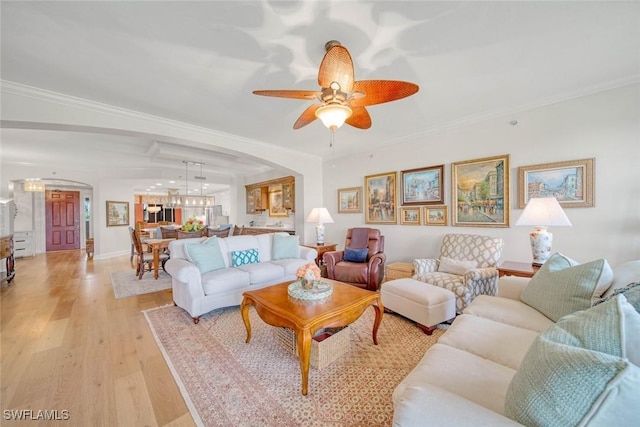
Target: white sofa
{"x":199,"y":293}
{"x":464,"y":379}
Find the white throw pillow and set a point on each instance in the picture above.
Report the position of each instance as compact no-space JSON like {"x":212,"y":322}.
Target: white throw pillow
{"x":455,"y":266}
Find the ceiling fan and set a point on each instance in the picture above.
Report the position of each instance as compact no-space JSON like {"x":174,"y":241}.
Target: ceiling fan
{"x":342,"y":98}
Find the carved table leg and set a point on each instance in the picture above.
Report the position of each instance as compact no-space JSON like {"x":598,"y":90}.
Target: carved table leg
{"x":244,"y":310}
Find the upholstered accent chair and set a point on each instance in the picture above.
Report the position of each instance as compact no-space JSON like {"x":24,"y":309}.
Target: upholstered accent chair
{"x":365,"y":272}
{"x":467,"y":266}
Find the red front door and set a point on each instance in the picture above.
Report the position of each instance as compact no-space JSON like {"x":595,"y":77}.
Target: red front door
{"x":63,"y":220}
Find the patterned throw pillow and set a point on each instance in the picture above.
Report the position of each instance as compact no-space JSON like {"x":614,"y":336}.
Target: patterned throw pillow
{"x":560,"y":287}
{"x":355,"y":255}
{"x":631,"y":293}
{"x":248,"y":256}
{"x":581,"y":371}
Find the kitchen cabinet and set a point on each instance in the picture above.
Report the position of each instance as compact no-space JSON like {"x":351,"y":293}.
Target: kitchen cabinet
{"x":257,"y":195}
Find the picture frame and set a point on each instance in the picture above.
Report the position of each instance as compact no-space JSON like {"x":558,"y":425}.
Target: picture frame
{"x":410,"y":216}
{"x":350,"y":200}
{"x":422,"y":186}
{"x":570,"y":182}
{"x":435,"y":215}
{"x":276,"y":201}
{"x":117,"y":213}
{"x":381,"y":198}
{"x":480,"y":192}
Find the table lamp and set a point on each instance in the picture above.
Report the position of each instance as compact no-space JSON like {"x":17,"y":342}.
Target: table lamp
{"x":320,"y":216}
{"x":542,"y":212}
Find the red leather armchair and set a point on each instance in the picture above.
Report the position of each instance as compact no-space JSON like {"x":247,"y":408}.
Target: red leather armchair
{"x":366,"y":275}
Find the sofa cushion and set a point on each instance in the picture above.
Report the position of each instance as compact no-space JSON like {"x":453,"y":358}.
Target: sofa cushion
{"x":462,"y":373}
{"x":560,"y":287}
{"x":263,"y":272}
{"x":551,"y":387}
{"x":508,"y":344}
{"x":206,"y":256}
{"x":455,"y":266}
{"x":290,"y":265}
{"x":355,"y":255}
{"x":509,"y":311}
{"x":285,"y":247}
{"x":224,"y":281}
{"x":247,"y":256}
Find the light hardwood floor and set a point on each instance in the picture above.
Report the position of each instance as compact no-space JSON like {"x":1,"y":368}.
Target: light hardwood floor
{"x":68,"y":344}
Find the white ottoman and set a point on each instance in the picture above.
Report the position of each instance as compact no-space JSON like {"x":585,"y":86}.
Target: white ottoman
{"x":425,"y":304}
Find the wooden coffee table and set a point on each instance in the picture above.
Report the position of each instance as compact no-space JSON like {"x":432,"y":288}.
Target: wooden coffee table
{"x":275,"y":307}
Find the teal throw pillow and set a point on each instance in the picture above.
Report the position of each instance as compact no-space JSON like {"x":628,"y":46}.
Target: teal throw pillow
{"x":631,"y":292}
{"x":285,"y":247}
{"x":207,"y":257}
{"x":248,"y":256}
{"x":355,"y":255}
{"x":560,"y":287}
{"x":581,"y":371}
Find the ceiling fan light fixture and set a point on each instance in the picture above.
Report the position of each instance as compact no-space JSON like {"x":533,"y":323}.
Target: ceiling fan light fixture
{"x":333,"y":115}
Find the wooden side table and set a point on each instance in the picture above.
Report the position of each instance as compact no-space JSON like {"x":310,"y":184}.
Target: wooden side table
{"x":520,"y":269}
{"x":327,"y":247}
{"x":398,"y":270}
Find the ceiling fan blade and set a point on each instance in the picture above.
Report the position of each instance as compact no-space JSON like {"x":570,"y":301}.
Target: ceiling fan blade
{"x":336,"y":66}
{"x":296,"y":94}
{"x":380,"y":91}
{"x":307,"y":116}
{"x":360,"y":118}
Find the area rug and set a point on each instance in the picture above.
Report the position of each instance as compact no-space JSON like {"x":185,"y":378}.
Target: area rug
{"x":125,"y":283}
{"x":226,"y":381}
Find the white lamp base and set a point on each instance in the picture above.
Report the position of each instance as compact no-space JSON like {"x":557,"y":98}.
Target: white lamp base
{"x":320,"y":234}
{"x":540,"y":245}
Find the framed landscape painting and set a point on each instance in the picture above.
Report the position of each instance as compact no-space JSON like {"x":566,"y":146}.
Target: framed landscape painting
{"x":480,"y":192}
{"x":380,"y":199}
{"x":410,"y":216}
{"x":435,"y":215}
{"x":570,"y":182}
{"x":117,"y":213}
{"x":350,"y":200}
{"x":422,"y":186}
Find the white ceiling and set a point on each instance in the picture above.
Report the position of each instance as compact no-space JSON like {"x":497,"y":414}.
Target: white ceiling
{"x":198,"y":62}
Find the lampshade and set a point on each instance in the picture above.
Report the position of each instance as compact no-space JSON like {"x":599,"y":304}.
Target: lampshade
{"x":333,"y":115}
{"x":320,"y":216}
{"x":543,"y":211}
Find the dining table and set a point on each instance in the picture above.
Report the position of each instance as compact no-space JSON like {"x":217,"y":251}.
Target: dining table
{"x":156,"y":245}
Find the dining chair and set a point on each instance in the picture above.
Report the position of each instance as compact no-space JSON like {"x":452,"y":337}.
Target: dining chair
{"x":189,"y":234}
{"x":144,"y":260}
{"x":222,"y":232}
{"x":168,"y":232}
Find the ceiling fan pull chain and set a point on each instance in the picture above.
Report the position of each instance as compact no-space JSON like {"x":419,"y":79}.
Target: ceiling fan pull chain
{"x":333,"y":148}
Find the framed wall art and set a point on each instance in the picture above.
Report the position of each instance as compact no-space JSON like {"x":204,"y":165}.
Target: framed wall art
{"x":480,"y":192}
{"x":570,"y":182}
{"x":350,"y":200}
{"x":380,"y":199}
{"x":422,"y":186}
{"x":276,"y":201}
{"x":435,"y":215}
{"x":117,"y":213}
{"x":410,"y":216}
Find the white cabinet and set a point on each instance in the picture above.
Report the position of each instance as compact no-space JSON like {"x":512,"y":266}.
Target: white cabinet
{"x":23,"y":244}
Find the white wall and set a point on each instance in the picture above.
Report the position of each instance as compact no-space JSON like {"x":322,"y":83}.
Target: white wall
{"x":605,"y":126}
